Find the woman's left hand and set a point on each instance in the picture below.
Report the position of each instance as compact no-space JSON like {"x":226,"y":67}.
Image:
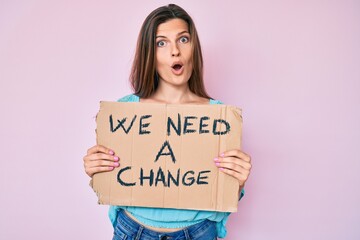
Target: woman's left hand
{"x":235,"y":163}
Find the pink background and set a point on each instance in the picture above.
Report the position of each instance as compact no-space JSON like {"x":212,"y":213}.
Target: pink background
{"x":292,"y":66}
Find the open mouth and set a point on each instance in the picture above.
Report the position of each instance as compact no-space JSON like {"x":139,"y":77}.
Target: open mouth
{"x":177,"y":67}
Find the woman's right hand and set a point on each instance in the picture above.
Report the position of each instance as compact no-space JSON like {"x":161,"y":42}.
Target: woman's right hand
{"x":100,"y":159}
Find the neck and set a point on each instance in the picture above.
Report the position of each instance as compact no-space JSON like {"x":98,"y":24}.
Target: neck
{"x":171,"y":94}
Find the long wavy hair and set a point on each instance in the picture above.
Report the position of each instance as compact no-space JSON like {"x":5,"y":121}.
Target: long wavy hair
{"x":143,"y":77}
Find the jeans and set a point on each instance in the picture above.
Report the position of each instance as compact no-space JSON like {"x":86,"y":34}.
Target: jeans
{"x":127,"y":229}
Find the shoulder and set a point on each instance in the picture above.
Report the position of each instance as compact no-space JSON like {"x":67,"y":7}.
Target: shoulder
{"x":129,"y":98}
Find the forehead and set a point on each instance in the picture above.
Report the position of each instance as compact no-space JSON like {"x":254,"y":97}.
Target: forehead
{"x":172,"y":26}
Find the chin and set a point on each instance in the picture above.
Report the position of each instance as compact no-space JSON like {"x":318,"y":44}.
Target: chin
{"x":180,"y":82}
{"x":177,"y":81}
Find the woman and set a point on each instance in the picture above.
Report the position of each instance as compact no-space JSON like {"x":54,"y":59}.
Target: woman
{"x":168,"y":68}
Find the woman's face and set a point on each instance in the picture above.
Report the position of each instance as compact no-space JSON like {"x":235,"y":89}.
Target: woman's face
{"x":173,"y":52}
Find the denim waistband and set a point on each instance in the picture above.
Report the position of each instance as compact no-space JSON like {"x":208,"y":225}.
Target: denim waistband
{"x":128,"y":227}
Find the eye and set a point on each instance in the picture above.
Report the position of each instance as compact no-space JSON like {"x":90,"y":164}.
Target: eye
{"x":161,"y":43}
{"x":184,"y":39}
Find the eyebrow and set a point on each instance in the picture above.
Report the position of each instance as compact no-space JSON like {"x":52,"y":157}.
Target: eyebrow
{"x":160,"y":36}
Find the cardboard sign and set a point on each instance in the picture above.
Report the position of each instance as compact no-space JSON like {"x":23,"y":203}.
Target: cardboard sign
{"x":167,"y":155}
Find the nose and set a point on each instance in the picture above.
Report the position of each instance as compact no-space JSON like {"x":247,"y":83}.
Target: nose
{"x":175,"y":52}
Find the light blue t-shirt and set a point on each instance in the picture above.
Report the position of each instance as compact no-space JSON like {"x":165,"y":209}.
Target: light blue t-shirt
{"x":168,"y":217}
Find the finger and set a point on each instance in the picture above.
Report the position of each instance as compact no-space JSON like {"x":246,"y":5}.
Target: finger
{"x":240,"y":177}
{"x":102,"y":156}
{"x":100,"y":159}
{"x":92,"y":171}
{"x":99,"y":148}
{"x":100,"y":163}
{"x":236,"y":153}
{"x":229,"y":165}
{"x":233,"y":167}
{"x":244,"y":164}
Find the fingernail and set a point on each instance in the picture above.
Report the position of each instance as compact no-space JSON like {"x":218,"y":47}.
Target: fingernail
{"x":111,"y":152}
{"x":217,"y":163}
{"x":222,"y":169}
{"x":111,"y":168}
{"x":116,"y":164}
{"x":116,"y":158}
{"x":216,"y":159}
{"x":222,"y":154}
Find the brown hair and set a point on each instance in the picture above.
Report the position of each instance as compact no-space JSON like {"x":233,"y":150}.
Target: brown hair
{"x":143,"y":76}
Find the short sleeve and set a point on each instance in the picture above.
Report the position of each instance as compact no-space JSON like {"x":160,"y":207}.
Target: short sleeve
{"x":129,"y":98}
